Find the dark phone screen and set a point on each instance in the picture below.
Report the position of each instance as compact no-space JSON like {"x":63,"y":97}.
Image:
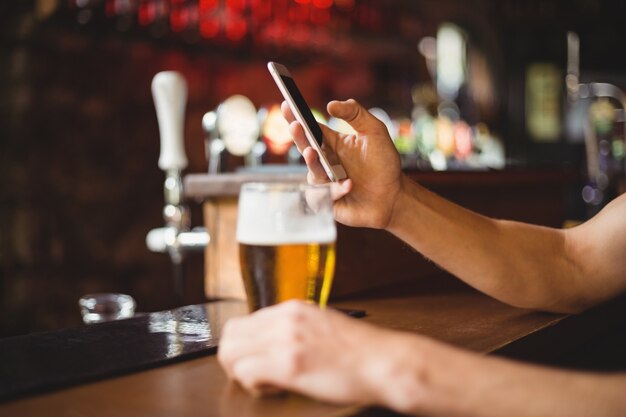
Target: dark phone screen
{"x":304,"y":108}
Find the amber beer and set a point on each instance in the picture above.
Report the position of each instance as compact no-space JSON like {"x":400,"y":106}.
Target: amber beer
{"x":286,"y":236}
{"x":275,"y":273}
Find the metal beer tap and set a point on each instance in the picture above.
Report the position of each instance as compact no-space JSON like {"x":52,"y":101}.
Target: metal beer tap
{"x":169,"y":91}
{"x":597,"y":149}
{"x":579,"y":123}
{"x":233,"y":128}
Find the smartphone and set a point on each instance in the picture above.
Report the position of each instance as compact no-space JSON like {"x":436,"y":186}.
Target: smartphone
{"x":302,"y":113}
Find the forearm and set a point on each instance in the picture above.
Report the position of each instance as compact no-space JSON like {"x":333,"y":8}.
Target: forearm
{"x":451,"y":382}
{"x":521,"y":264}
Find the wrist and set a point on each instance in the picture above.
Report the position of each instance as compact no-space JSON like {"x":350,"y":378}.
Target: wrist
{"x":397,"y":379}
{"x":406,"y":196}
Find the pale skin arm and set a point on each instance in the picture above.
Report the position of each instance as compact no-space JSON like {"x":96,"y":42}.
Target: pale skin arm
{"x":521,"y":264}
{"x":331,"y":357}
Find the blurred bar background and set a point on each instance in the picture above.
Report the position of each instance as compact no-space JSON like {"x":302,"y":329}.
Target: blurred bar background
{"x":463,"y":85}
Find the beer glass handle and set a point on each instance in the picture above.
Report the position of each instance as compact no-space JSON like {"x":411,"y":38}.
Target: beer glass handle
{"x":169,"y":90}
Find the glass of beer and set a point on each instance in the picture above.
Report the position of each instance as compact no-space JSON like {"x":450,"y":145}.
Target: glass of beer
{"x":286,"y":235}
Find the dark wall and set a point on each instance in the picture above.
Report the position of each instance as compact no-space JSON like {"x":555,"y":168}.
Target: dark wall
{"x":79,"y":189}
{"x":78,"y":175}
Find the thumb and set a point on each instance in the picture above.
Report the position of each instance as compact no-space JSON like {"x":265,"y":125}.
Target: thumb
{"x":352,"y":112}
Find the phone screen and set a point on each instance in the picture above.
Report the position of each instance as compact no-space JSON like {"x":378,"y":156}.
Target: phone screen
{"x":304,"y":108}
{"x":286,"y":84}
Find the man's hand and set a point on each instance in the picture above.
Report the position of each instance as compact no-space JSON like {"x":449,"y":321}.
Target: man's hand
{"x":325,"y":354}
{"x":369,"y":157}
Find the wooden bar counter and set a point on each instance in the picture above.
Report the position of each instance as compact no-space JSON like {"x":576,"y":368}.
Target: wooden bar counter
{"x":440,"y":307}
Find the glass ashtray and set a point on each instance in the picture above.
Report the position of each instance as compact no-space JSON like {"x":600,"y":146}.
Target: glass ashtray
{"x":100,"y":307}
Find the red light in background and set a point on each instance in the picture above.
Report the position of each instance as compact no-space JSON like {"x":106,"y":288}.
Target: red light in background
{"x":462,"y":139}
{"x":179,"y":19}
{"x":236,"y":5}
{"x":209,"y":23}
{"x":345,"y":4}
{"x":277,"y":32}
{"x":322,"y":4}
{"x":298,"y":13}
{"x":109,"y":8}
{"x":207,"y":4}
{"x":193,"y":15}
{"x":280,"y":9}
{"x":261,"y":9}
{"x":320,"y":16}
{"x":264,"y":21}
{"x":207,"y":10}
{"x":236,"y":29}
{"x":146,"y":13}
{"x":276,"y":133}
{"x":209,"y":27}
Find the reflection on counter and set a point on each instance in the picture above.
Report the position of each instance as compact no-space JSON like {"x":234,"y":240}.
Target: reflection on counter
{"x":193,"y":325}
{"x":44,"y":361}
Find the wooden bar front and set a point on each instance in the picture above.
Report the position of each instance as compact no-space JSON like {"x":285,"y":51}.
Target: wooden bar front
{"x":368,"y":258}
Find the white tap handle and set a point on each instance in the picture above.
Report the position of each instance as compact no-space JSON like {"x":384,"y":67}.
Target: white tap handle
{"x":156,"y":240}
{"x":169,"y":91}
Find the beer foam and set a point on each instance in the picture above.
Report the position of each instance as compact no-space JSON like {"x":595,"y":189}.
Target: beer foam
{"x":266,"y":220}
{"x":260,"y":238}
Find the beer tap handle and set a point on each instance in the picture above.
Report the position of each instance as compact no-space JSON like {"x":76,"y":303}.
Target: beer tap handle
{"x":214,"y":146}
{"x":169,"y":91}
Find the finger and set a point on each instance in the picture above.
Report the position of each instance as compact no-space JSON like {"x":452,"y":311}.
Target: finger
{"x":273,"y":357}
{"x":356,"y":115}
{"x":297,"y":132}
{"x":235,"y":340}
{"x":287,"y":113}
{"x":272,"y":370}
{"x":331,"y":137}
{"x":340,"y":189}
{"x":299,"y":138}
{"x":238,"y":331}
{"x":316,"y":174}
{"x":255,"y":373}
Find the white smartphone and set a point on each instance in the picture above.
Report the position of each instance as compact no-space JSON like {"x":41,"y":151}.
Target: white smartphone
{"x":302,"y":113}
